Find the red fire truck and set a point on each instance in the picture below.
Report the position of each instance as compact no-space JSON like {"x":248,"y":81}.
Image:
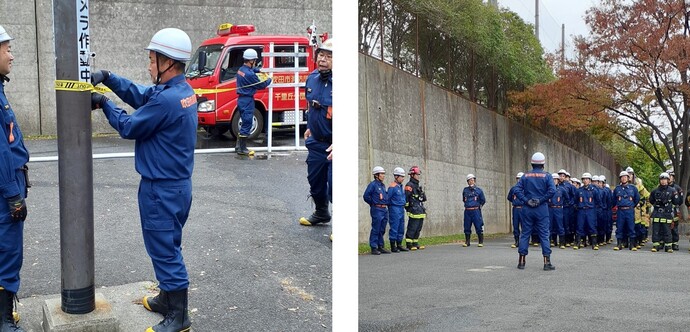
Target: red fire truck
{"x":212,"y":70}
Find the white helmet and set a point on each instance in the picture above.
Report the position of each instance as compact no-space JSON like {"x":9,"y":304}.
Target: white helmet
{"x":538,"y":158}
{"x":250,"y":54}
{"x":555,"y":176}
{"x":595,"y":178}
{"x":567,"y":174}
{"x":4,"y":36}
{"x":576,"y":180}
{"x":173,"y":43}
{"x":519,"y":175}
{"x":602,"y":178}
{"x":664,"y":175}
{"x":562,"y":171}
{"x":399,"y":171}
{"x":377,"y":170}
{"x":623,"y":173}
{"x":586,"y":176}
{"x":629,"y":170}
{"x":326,"y":46}
{"x":470,"y":176}
{"x":607,"y":186}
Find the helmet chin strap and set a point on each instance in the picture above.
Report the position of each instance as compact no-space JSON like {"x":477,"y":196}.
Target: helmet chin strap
{"x":325,"y":74}
{"x":160,"y":73}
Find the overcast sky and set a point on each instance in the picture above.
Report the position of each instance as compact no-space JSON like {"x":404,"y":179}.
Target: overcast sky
{"x":552,"y":14}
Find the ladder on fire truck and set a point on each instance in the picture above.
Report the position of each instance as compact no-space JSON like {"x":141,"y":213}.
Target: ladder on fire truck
{"x":296,"y":69}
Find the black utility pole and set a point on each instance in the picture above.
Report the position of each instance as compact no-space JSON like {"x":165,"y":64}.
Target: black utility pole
{"x":74,"y":157}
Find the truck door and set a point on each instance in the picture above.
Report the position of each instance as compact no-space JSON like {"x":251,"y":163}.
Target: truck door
{"x":231,"y":63}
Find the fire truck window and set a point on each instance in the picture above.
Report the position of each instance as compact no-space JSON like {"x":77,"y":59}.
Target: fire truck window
{"x":284,"y":62}
{"x":198,"y":67}
{"x":232,"y":63}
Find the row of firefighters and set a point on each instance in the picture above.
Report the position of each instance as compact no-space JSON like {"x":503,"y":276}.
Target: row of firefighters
{"x":583,"y":212}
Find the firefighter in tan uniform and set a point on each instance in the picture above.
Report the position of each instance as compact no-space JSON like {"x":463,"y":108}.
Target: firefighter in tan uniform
{"x":642,"y":209}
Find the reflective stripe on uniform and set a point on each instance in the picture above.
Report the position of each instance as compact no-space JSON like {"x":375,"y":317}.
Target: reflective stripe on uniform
{"x":416,"y":216}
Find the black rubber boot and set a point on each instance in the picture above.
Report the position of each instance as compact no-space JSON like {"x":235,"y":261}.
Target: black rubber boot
{"x":320,"y":215}
{"x":517,"y":242}
{"x":674,"y":246}
{"x":158,"y":303}
{"x":667,"y":247}
{"x":467,"y":240}
{"x":547,"y":264}
{"x":177,"y":318}
{"x":595,"y":244}
{"x":241,"y":147}
{"x":394,"y":246}
{"x":632,"y":243}
{"x":401,"y":248}
{"x":521,"y":262}
{"x":619,"y":245}
{"x":577,"y":245}
{"x":383,"y":250}
{"x":481,"y":240}
{"x":7,"y":322}
{"x":375,"y":251}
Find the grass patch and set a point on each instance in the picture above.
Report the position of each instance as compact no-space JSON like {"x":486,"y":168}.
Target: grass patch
{"x":364,"y":248}
{"x":47,"y":137}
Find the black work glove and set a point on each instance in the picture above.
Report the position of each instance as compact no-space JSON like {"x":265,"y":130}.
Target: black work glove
{"x":17,"y":208}
{"x":97,"y":100}
{"x":99,"y":76}
{"x":533,"y":202}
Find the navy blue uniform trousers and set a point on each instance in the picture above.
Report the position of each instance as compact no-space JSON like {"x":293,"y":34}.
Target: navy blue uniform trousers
{"x":164,"y":207}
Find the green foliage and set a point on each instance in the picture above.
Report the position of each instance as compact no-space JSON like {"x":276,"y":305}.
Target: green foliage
{"x":499,"y":37}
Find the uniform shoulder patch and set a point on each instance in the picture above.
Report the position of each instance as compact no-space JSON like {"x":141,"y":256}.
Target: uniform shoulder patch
{"x":408,"y":188}
{"x":241,"y":73}
{"x":393,"y":184}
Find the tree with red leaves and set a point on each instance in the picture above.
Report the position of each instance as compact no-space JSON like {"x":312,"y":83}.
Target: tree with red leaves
{"x":630,"y":76}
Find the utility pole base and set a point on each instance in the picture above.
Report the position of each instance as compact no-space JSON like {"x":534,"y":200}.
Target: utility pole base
{"x":100,"y":320}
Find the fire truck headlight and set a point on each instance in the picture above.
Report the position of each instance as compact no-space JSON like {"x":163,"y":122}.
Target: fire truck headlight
{"x":207,"y":106}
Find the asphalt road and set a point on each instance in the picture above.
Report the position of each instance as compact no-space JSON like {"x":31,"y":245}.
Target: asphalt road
{"x":451,"y":288}
{"x":252,"y":267}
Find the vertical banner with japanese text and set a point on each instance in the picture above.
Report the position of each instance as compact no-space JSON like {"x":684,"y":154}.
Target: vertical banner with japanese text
{"x":83,"y":40}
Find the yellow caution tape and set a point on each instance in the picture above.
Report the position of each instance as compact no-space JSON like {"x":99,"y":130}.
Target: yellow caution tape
{"x":66,"y":85}
{"x":78,"y":86}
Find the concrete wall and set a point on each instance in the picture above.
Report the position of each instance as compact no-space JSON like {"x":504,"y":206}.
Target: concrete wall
{"x":120,"y":30}
{"x":404,"y":121}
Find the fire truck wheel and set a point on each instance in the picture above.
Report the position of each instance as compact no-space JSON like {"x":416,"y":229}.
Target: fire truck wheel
{"x":257,"y":126}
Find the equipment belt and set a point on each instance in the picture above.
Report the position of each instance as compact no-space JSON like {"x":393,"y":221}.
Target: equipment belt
{"x":518,"y":207}
{"x":381,"y":205}
{"x":555,"y":207}
{"x":472,"y":208}
{"x":625,"y":207}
